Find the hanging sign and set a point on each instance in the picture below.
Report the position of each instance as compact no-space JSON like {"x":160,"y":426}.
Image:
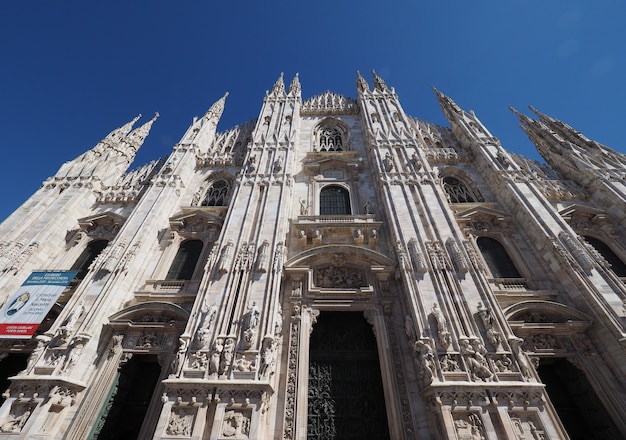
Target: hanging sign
{"x":22,"y":313}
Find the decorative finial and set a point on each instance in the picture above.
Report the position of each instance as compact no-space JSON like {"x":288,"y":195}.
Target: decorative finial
{"x":216,"y":110}
{"x":379,"y":84}
{"x":279,"y":85}
{"x":361,"y":84}
{"x":294,"y":87}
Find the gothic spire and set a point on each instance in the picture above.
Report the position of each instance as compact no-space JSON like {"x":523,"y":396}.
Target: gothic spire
{"x":379,"y":84}
{"x":450,"y":108}
{"x":216,"y":110}
{"x":279,"y":85}
{"x":121,"y":132}
{"x":361,"y":83}
{"x":294,"y":87}
{"x":138,"y":135}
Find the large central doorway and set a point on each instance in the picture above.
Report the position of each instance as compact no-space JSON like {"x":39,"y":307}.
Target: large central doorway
{"x":346,"y":399}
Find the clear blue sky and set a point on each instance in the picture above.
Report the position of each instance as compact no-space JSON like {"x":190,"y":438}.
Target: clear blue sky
{"x":74,"y":70}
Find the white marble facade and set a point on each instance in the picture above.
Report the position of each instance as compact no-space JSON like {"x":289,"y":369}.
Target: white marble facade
{"x":477,"y":270}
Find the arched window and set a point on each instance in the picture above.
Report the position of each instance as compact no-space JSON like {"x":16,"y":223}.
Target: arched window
{"x":334,"y":200}
{"x":217,"y":194}
{"x":185,"y":261}
{"x":93,"y":249}
{"x":497,"y":258}
{"x":617,"y":265}
{"x":330,"y":139}
{"x":458,"y":192}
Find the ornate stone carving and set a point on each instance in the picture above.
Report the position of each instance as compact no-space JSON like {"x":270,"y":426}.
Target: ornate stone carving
{"x":442,"y":326}
{"x":236,"y":424}
{"x":251,"y":322}
{"x":329,"y":102}
{"x":577,"y":249}
{"x":457,"y":255}
{"x":225,"y":257}
{"x":334,"y":277}
{"x":74,"y":351}
{"x":180,"y":422}
{"x":17,"y":417}
{"x":449,"y":363}
{"x":419,"y":262}
{"x":425,"y":359}
{"x":268,"y":357}
{"x":469,"y":427}
{"x":263,"y":257}
{"x":227,"y":357}
{"x":474,"y":355}
{"x":522,"y":360}
{"x":216,"y":356}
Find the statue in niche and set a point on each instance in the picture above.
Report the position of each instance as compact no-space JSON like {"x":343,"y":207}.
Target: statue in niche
{"x":252,"y":322}
{"x":42,"y":342}
{"x":388,"y":162}
{"x":71,"y":320}
{"x":243,"y":365}
{"x":216,"y":355}
{"x":474,"y":356}
{"x":197,"y":197}
{"x":494,"y":338}
{"x":199,"y":361}
{"x":227,"y":356}
{"x":17,"y":418}
{"x":304,"y":208}
{"x":503,"y":364}
{"x":449,"y":364}
{"x":409,"y":327}
{"x":236,"y":425}
{"x":367,"y":208}
{"x":470,"y":428}
{"x":442,"y":326}
{"x":522,"y":360}
{"x":425,"y":357}
{"x":180,"y":423}
{"x":268,"y":357}
{"x":75,"y":350}
{"x":183,"y":343}
{"x":485,"y":315}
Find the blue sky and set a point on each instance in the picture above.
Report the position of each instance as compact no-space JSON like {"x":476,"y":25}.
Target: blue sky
{"x":74,"y":70}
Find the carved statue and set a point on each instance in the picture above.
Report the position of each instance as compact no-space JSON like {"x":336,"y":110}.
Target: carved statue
{"x":367,"y":208}
{"x":442,"y":326}
{"x":227,"y":356}
{"x":474,"y":356}
{"x":304,"y":208}
{"x":522,"y":360}
{"x":71,"y":320}
{"x":216,"y":355}
{"x":425,"y":357}
{"x":16,"y":419}
{"x":179,"y":423}
{"x":268,"y":357}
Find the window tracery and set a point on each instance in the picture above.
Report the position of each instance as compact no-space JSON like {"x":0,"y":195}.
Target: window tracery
{"x":459,"y":192}
{"x":330,"y":139}
{"x":217,"y":194}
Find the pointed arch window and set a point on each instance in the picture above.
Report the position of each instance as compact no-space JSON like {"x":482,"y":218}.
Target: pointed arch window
{"x":330,"y":139}
{"x":617,"y":265}
{"x":81,"y":265}
{"x":334,"y":200}
{"x":186,"y":260}
{"x":458,"y":192}
{"x":497,"y":258}
{"x":217,"y":194}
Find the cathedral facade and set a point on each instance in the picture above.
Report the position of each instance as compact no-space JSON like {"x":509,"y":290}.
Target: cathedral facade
{"x":334,"y":269}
